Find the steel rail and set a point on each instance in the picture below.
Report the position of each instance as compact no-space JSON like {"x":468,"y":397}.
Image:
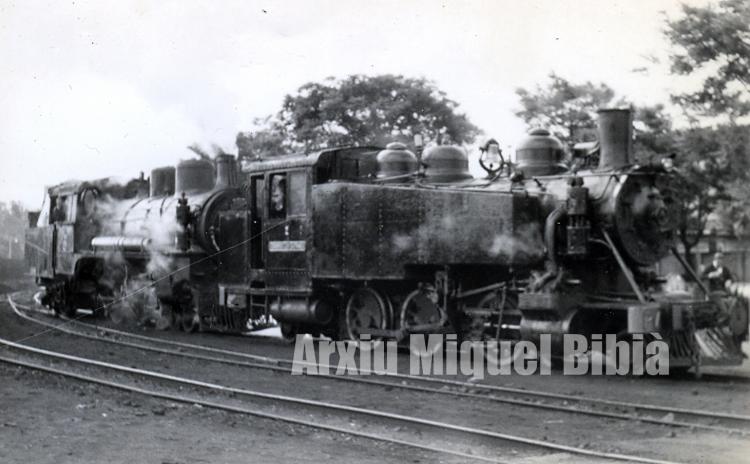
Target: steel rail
{"x":275,"y":366}
{"x":334,"y":407}
{"x":238,"y":410}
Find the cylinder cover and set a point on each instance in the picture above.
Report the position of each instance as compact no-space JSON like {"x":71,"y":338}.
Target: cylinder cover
{"x":303,"y":311}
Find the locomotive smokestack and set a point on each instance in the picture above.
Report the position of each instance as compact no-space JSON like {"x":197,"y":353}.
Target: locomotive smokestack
{"x":226,"y":171}
{"x":615,"y":138}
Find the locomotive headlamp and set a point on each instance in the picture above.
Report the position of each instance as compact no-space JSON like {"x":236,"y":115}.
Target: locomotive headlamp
{"x":491,"y":158}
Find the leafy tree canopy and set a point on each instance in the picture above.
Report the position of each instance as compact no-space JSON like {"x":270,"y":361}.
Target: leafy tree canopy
{"x":715,"y":41}
{"x":12,"y":224}
{"x":654,"y":135}
{"x":567,"y":110}
{"x":361,"y":110}
{"x":703,"y":162}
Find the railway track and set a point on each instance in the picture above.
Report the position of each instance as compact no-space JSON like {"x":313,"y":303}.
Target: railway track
{"x":648,"y":413}
{"x":335,"y":417}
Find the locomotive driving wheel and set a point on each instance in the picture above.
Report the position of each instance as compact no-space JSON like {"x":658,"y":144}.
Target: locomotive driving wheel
{"x":366,"y":309}
{"x":496,"y":318}
{"x":59,"y":301}
{"x":64,"y":308}
{"x":422,"y":308}
{"x":421,"y":311}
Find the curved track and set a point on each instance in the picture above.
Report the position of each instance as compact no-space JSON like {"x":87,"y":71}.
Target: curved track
{"x":226,"y":398}
{"x":680,"y":417}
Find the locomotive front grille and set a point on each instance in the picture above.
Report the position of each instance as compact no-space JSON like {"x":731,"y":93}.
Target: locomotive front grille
{"x":701,"y":314}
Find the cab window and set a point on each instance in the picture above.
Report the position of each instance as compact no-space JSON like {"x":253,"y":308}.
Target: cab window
{"x":44,"y":213}
{"x":297,"y":193}
{"x":58,"y":211}
{"x":87,"y":202}
{"x":62,"y":209}
{"x":71,"y":203}
{"x":277,"y":201}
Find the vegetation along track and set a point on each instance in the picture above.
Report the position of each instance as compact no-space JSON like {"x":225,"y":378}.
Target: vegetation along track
{"x":610,"y":409}
{"x":335,"y":419}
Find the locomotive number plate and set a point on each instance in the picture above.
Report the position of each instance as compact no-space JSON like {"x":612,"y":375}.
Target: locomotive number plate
{"x":286,"y":246}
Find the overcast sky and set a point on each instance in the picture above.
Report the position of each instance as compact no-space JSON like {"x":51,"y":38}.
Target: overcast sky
{"x":92,"y":89}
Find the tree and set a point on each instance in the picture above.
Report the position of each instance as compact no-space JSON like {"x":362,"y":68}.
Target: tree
{"x":568,"y":110}
{"x":713,"y":43}
{"x":12,"y":224}
{"x":701,"y":186}
{"x":268,"y":139}
{"x":716,"y":41}
{"x":654,"y":136}
{"x":360,"y":110}
{"x":734,"y":143}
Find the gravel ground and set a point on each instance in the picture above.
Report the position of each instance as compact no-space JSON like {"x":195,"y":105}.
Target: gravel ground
{"x":49,"y":419}
{"x":61,"y":414}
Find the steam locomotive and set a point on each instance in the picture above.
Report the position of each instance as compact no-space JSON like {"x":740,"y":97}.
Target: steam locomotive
{"x":350,"y":241}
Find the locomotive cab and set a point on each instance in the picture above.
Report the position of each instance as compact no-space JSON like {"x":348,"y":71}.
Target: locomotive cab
{"x":277,"y":281}
{"x":57,"y":247}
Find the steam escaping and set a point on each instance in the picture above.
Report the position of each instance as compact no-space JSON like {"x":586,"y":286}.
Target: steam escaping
{"x":151,"y":223}
{"x":465,"y":239}
{"x":198,"y":150}
{"x":218,"y":151}
{"x":203,"y":154}
{"x":139,"y":304}
{"x":526,"y":242}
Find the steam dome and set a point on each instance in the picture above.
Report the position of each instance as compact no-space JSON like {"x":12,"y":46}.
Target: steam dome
{"x":446,"y":163}
{"x":194,"y":176}
{"x":540,"y":154}
{"x":162,"y":181}
{"x":396,"y":160}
